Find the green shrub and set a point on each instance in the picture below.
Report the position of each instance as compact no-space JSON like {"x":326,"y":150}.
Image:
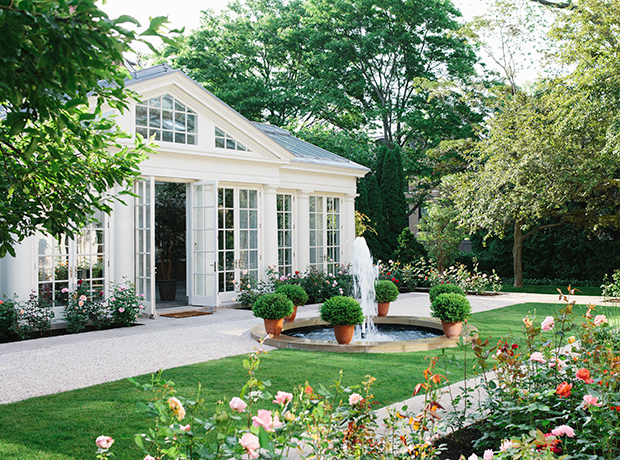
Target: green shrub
{"x":125,"y":305}
{"x":273,"y":306}
{"x":294,"y":292}
{"x":442,"y":289}
{"x":451,"y":307}
{"x":385,"y":291}
{"x":8,"y":318}
{"x":342,"y":311}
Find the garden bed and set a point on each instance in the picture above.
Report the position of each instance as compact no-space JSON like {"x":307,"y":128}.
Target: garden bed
{"x":55,"y":332}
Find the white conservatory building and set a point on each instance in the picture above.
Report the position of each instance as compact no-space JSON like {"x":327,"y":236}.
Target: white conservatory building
{"x":255,"y":197}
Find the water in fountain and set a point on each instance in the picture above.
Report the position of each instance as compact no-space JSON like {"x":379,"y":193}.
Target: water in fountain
{"x":364,"y":276}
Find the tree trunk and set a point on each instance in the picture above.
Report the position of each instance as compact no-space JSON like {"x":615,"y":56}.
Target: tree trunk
{"x":517,"y":251}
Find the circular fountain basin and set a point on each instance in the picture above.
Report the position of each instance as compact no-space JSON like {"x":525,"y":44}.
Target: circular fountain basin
{"x":363,"y":346}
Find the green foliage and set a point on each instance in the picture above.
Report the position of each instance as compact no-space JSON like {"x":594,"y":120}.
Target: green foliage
{"x":61,"y":154}
{"x":451,"y":307}
{"x":342,"y":311}
{"x":273,"y":306}
{"x":611,"y":287}
{"x":370,"y":203}
{"x":294,"y":292}
{"x":8,"y":317}
{"x":385,"y":291}
{"x":564,"y":253}
{"x":440,"y":234}
{"x":443,"y":289}
{"x":393,"y":186}
{"x":409,"y":248}
{"x":125,"y":305}
{"x":321,"y":286}
{"x":34,"y":315}
{"x":84,"y":306}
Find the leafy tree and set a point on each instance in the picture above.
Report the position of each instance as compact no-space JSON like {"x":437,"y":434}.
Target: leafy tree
{"x":552,"y":155}
{"x":440,"y":233}
{"x":409,"y":248}
{"x":61,"y":155}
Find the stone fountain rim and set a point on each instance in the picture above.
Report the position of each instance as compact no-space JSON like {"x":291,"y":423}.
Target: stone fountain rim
{"x":401,"y":346}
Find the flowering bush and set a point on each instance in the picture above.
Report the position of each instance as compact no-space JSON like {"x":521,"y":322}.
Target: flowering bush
{"x":249,"y":290}
{"x":8,"y":317}
{"x":82,"y":307}
{"x":322,"y":422}
{"x":611,"y":288}
{"x":319,"y":285}
{"x":34,"y":315}
{"x":471,"y":282}
{"x":125,"y":305}
{"x":561,"y":388}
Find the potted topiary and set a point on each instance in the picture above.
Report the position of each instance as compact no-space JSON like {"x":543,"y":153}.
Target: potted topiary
{"x":273,"y":308}
{"x":385,"y":292}
{"x":344,"y":313}
{"x":442,"y":289}
{"x":295,"y":294}
{"x":452,"y":309}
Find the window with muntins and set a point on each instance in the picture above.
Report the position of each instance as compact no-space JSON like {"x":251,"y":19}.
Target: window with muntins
{"x":166,"y":119}
{"x":225,"y":141}
{"x":285,"y":234}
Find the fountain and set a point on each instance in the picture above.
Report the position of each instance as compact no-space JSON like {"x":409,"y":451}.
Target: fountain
{"x":365,"y":273}
{"x":427,"y":333}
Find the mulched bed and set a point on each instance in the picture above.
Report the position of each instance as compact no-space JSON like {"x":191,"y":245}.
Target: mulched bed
{"x":57,"y":332}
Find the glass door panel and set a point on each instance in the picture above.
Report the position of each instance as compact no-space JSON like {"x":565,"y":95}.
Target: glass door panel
{"x":145,"y":241}
{"x":226,"y":239}
{"x":204,"y":266}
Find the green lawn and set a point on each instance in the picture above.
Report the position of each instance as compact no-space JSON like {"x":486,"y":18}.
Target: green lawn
{"x":64,"y":426}
{"x":536,"y":289}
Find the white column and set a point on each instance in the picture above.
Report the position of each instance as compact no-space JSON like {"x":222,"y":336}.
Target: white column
{"x":270,"y":228}
{"x":348,"y":230}
{"x":302,"y":231}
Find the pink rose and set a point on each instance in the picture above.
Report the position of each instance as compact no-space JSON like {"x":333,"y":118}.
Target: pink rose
{"x":282,"y":397}
{"x":538,"y":357}
{"x":600,"y":319}
{"x":589,"y":400}
{"x":563,"y":430}
{"x":264,"y":419}
{"x":82,"y":297}
{"x":250,"y":443}
{"x":64,"y":290}
{"x":547,"y":324}
{"x":186,"y":428}
{"x":505,"y":445}
{"x":104,"y":442}
{"x":121,"y":310}
{"x":149,"y":457}
{"x":488,"y":455}
{"x":355,"y":398}
{"x":237,"y":404}
{"x":472,"y":457}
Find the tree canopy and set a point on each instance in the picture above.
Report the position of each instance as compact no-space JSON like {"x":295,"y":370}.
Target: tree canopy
{"x":61,"y":62}
{"x":552,"y":154}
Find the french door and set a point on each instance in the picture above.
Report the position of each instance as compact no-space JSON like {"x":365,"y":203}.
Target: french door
{"x":145,"y":241}
{"x":203,"y":278}
{"x":237,"y":238}
{"x":324,"y":226}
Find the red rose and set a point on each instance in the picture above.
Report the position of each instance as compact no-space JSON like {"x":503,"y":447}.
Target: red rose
{"x":563,"y":389}
{"x":584,"y":374}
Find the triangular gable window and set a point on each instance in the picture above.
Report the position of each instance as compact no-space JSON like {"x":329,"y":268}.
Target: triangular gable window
{"x":166,"y":119}
{"x":224,"y":141}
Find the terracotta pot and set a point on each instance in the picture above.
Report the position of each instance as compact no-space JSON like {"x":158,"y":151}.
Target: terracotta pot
{"x":273,"y":326}
{"x":290,"y":319}
{"x":383,"y":308}
{"x":452,"y":330}
{"x":343,"y":333}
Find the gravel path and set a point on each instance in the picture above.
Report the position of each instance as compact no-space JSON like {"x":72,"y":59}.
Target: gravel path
{"x":55,"y":364}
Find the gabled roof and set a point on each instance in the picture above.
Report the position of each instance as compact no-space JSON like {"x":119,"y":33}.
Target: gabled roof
{"x":302,"y":151}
